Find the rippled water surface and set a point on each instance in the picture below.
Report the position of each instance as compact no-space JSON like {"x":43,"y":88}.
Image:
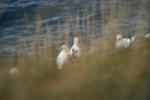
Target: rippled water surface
{"x":18,"y":16}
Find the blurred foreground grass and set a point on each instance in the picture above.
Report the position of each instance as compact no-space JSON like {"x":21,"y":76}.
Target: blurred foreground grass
{"x":102,"y":73}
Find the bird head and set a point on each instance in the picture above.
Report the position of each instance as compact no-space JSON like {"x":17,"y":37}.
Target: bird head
{"x":65,"y":48}
{"x":119,"y":37}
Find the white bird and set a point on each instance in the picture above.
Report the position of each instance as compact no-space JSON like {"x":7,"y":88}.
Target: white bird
{"x":75,"y":50}
{"x":147,"y":35}
{"x":124,"y":42}
{"x":13,"y":72}
{"x":63,"y":56}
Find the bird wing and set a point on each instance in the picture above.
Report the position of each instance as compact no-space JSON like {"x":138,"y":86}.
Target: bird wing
{"x":127,"y":42}
{"x":75,"y":50}
{"x":62,"y":58}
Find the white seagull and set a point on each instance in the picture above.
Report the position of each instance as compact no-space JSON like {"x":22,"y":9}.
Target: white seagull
{"x":147,"y":35}
{"x":75,"y":50}
{"x":124,"y":42}
{"x":13,"y":72}
{"x":63,"y":56}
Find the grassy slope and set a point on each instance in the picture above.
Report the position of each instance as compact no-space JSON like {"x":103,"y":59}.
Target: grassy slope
{"x":102,"y":73}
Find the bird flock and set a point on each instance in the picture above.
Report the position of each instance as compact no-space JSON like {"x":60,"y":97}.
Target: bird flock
{"x":67,"y":53}
{"x":124,"y":42}
{"x":74,"y":52}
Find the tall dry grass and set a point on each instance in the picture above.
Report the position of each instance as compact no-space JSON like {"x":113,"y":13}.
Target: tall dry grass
{"x":102,"y":72}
